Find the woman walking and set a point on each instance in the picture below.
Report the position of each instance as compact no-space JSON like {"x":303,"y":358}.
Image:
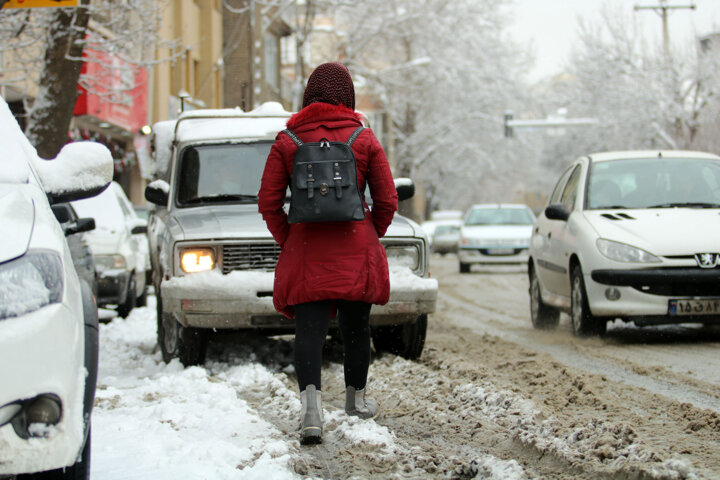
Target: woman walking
{"x":330,"y":267}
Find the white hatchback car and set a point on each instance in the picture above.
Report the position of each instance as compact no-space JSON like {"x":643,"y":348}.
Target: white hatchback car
{"x":631,"y":235}
{"x":48,"y":317}
{"x":120,"y":249}
{"x":497,"y":233}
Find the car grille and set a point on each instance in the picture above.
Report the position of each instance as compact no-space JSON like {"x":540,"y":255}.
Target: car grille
{"x":669,"y":282}
{"x":250,"y":256}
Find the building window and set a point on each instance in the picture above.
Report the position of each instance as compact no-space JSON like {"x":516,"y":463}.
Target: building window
{"x":272,"y":57}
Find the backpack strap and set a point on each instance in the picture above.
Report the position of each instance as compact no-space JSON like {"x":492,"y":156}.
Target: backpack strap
{"x":293,"y":137}
{"x":354,"y":135}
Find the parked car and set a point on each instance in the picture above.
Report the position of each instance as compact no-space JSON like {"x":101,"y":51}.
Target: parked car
{"x":495,"y":234}
{"x":213,"y":258}
{"x":48,"y":319}
{"x":446,"y":237}
{"x":441,"y":217}
{"x":120,"y":249}
{"x":630,"y":235}
{"x":74,"y":228}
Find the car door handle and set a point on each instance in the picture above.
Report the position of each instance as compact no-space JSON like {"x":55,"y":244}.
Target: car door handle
{"x":549,"y":235}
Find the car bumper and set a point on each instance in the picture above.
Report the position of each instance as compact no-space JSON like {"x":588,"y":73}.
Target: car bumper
{"x":444,"y":247}
{"x":34,"y":352}
{"x":645,"y":294}
{"x":112,"y":287}
{"x":493,"y":256}
{"x":243,"y":300}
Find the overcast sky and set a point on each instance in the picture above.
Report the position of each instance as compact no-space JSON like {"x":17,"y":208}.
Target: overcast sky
{"x":551,"y":24}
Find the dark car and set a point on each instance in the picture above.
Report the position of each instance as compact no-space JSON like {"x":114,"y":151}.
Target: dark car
{"x":74,"y":228}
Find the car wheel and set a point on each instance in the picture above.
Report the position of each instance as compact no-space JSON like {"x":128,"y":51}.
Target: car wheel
{"x":175,"y":341}
{"x":464,"y":267}
{"x":406,"y":340}
{"x":78,"y":471}
{"x":141,"y":301}
{"x":583,"y":321}
{"x":126,"y":307}
{"x":543,"y":316}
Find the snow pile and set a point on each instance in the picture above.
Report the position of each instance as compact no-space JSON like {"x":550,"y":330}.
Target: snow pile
{"x":404,"y":279}
{"x":153,"y":420}
{"x":78,"y":166}
{"x":214,"y":282}
{"x":163,"y":133}
{"x":612,"y":444}
{"x":359,"y":432}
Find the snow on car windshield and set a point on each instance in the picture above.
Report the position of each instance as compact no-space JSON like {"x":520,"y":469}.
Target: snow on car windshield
{"x":221,"y":173}
{"x":654,"y":183}
{"x":499,"y":216}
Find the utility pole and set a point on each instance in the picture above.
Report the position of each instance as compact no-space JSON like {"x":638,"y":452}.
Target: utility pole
{"x":663,"y":9}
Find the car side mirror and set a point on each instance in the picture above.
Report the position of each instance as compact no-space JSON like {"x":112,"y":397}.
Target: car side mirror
{"x":158,"y":192}
{"x":62,"y":212}
{"x":557,"y":211}
{"x":81,"y":225}
{"x":405,"y":188}
{"x":81,"y":170}
{"x":138,"y":226}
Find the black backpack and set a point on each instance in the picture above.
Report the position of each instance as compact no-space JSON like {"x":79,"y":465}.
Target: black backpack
{"x":324,"y":184}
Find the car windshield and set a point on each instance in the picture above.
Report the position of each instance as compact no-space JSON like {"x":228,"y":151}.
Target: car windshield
{"x":228,"y":173}
{"x":499,"y":216}
{"x":446,"y":229}
{"x":654,"y":183}
{"x":104,"y":208}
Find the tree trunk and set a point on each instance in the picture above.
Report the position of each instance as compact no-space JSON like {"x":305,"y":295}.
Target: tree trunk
{"x":49,"y":118}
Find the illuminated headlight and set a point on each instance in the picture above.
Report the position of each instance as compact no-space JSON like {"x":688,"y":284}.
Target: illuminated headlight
{"x":403,"y":256}
{"x":109,"y":262}
{"x":30,"y":283}
{"x":624,"y":253}
{"x":193,"y":260}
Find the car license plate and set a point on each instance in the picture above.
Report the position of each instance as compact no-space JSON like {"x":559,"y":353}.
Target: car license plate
{"x":705,"y":306}
{"x":500,"y":251}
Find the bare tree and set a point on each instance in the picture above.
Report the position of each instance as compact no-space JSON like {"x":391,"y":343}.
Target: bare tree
{"x":643,"y":96}
{"x":446,"y":71}
{"x":45,"y":49}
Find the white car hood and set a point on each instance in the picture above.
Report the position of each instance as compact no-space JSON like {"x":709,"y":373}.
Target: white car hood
{"x":663,"y":231}
{"x":234,"y":221}
{"x":18,"y":213}
{"x":221,"y":221}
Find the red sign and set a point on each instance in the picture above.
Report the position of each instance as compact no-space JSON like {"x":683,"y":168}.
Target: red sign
{"x":116,"y":91}
{"x":39,"y":3}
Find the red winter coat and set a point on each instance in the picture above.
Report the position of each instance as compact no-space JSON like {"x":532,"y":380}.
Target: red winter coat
{"x":329,"y":260}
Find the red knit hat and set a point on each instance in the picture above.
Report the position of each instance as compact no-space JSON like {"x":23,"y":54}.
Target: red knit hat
{"x":330,"y":83}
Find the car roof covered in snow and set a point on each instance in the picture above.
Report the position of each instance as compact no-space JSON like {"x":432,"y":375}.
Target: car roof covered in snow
{"x":263,"y":122}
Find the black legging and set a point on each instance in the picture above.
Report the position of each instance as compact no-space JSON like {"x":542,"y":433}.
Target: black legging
{"x":311,"y":326}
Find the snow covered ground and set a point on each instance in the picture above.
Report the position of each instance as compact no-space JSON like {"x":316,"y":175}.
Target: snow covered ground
{"x":153,"y":420}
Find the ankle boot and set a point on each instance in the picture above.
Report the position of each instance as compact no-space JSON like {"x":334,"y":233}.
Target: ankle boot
{"x":311,"y":416}
{"x":357,"y":405}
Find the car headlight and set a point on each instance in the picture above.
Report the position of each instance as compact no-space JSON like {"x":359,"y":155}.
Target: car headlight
{"x":193,"y":260}
{"x":403,"y":256}
{"x":109,"y":262}
{"x":30,"y":283}
{"x":624,"y":253}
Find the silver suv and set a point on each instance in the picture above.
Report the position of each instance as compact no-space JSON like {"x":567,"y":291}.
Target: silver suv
{"x":213,"y":258}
